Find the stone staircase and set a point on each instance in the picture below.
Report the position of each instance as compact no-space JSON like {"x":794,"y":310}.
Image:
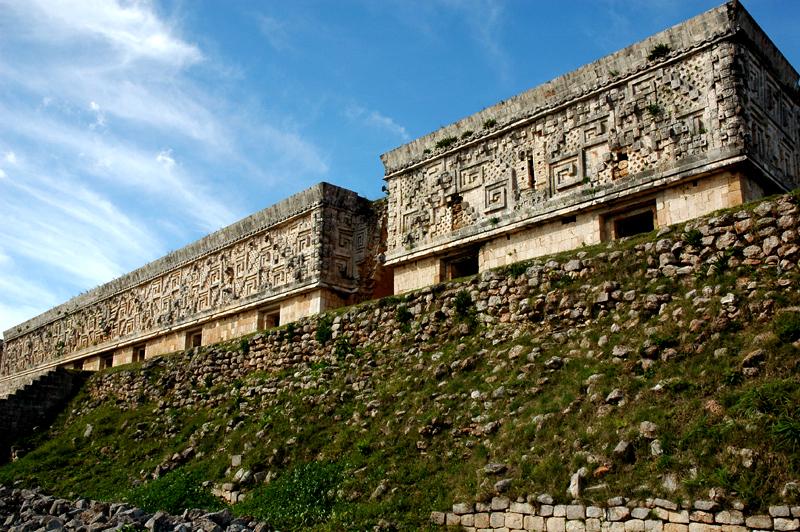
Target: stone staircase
{"x":35,"y":405}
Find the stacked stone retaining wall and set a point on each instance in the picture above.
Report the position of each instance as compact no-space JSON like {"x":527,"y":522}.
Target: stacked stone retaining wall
{"x":621,"y":515}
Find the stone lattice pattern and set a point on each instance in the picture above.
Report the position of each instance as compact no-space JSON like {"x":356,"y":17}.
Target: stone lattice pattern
{"x":719,"y":90}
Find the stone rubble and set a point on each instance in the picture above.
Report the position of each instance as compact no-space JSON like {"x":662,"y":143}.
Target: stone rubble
{"x":28,"y":510}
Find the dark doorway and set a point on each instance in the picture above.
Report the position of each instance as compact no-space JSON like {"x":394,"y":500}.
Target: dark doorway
{"x":106,"y":361}
{"x":461,"y":266}
{"x":268,"y":318}
{"x":194,"y":338}
{"x":139,"y":352}
{"x":634,"y":224}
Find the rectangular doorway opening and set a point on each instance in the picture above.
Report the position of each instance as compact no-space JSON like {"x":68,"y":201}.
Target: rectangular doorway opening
{"x":632,"y":221}
{"x":78,"y":364}
{"x":634,"y":224}
{"x":194,"y":338}
{"x":107,"y":361}
{"x":269,"y":318}
{"x":139,"y":352}
{"x":461,"y":265}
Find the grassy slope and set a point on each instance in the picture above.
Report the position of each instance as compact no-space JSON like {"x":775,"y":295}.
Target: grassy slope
{"x":332,"y":442}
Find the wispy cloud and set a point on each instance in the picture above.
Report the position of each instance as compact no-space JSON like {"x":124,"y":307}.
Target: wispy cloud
{"x":107,"y":136}
{"x":376,"y":120}
{"x":485,"y":19}
{"x":274,"y":31}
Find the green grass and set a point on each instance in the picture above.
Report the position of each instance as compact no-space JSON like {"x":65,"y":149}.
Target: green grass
{"x":423,"y":418}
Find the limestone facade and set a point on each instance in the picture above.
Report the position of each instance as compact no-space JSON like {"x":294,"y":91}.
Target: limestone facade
{"x":702,"y":116}
{"x":309,"y":253}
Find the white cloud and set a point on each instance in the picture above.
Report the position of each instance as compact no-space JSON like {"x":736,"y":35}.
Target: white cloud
{"x":132,"y":28}
{"x":485,"y":18}
{"x":3,"y":174}
{"x":87,"y":204}
{"x":274,"y":31}
{"x":164,"y":157}
{"x":376,"y":119}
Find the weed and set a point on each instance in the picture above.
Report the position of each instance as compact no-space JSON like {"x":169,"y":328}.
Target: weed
{"x":516,"y":269}
{"x":467,"y":134}
{"x":324,"y":329}
{"x":658,"y":51}
{"x":343,"y":347}
{"x":787,"y":326}
{"x":173,"y":493}
{"x":489,"y":124}
{"x":446,"y":142}
{"x":302,"y":497}
{"x":693,"y":238}
{"x":463,"y":304}
{"x":403,"y":317}
{"x":654,"y":109}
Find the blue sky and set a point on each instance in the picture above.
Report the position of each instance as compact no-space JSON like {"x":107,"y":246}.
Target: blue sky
{"x":129,"y":129}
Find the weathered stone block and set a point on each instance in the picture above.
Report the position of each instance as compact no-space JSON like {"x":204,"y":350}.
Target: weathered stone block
{"x":634,"y":525}
{"x":758,"y":521}
{"x":497,"y":519}
{"x":533,"y":522}
{"x":575,"y":525}
{"x":783,"y":523}
{"x":514,"y":520}
{"x":556,"y":524}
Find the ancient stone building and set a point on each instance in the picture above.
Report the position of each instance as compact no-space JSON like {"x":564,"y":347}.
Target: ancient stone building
{"x":698,"y":117}
{"x":702,"y":116}
{"x":311,"y":252}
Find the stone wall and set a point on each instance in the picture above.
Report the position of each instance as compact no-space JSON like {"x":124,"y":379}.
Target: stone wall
{"x":682,"y":106}
{"x":532,"y":298}
{"x":35,"y":405}
{"x":621,"y":515}
{"x":323,"y":240}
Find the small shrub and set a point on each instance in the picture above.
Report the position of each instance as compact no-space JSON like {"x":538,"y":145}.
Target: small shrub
{"x":173,"y":493}
{"x":786,"y":431}
{"x":658,"y":51}
{"x":693,"y":238}
{"x":289,"y":332}
{"x":446,"y":142}
{"x":654,"y":109}
{"x":244,"y":346}
{"x":300,"y":498}
{"x":324,"y":329}
{"x":516,"y":269}
{"x":490,"y":123}
{"x":467,"y":134}
{"x":787,"y":326}
{"x":403,"y":317}
{"x":664,"y":341}
{"x":463,"y":304}
{"x":343,"y":347}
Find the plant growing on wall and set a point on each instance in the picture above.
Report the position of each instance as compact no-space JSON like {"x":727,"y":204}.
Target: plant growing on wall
{"x":324,"y":329}
{"x":658,"y":51}
{"x":446,"y":142}
{"x":490,"y":123}
{"x":654,"y":109}
{"x":467,"y":134}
